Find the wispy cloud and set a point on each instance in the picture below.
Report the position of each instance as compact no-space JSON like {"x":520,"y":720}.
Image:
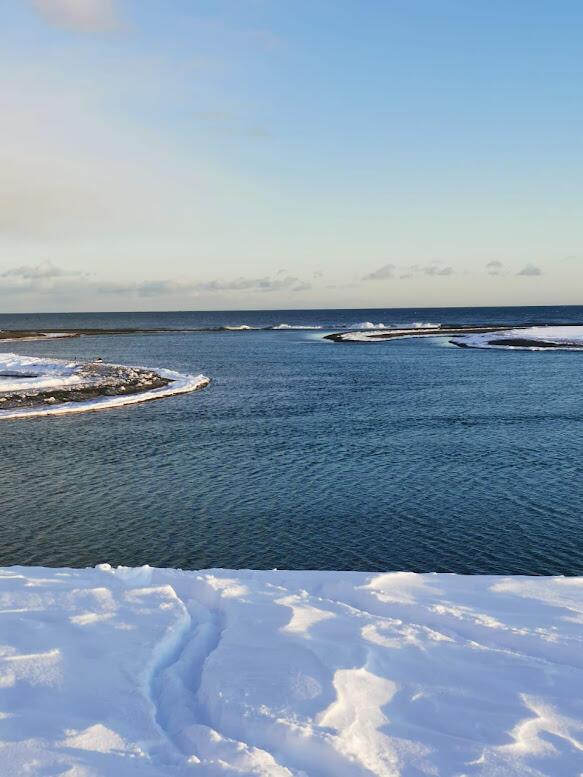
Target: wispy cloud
{"x":49,"y":278}
{"x":531,"y":271}
{"x":39,"y":272}
{"x":494,"y":267}
{"x":82,"y":15}
{"x":390,"y":271}
{"x":161,"y":288}
{"x":279,"y":283}
{"x":382,"y":274}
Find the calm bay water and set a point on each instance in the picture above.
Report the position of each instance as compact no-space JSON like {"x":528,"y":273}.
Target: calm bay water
{"x":408,"y":454}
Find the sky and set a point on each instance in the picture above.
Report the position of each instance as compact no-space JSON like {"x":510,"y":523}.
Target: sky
{"x":265,"y":154}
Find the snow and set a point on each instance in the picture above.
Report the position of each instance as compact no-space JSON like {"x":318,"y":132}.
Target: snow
{"x":29,"y":374}
{"x":362,"y":337}
{"x":380,"y":335}
{"x":143,"y":672}
{"x":571,"y":336}
{"x":36,"y":373}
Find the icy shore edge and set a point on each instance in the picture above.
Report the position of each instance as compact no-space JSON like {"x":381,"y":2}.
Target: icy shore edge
{"x":30,"y":375}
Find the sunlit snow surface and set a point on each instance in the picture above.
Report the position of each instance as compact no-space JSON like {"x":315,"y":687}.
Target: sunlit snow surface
{"x":30,"y":376}
{"x":131,"y":672}
{"x":557,"y":336}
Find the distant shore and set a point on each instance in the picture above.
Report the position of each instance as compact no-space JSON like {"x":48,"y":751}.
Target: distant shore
{"x":8,"y":335}
{"x":34,"y":334}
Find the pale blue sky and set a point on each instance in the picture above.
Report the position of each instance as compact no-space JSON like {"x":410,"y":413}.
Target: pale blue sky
{"x":199,"y":154}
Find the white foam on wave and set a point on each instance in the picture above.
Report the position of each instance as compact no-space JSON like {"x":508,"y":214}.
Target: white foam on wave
{"x":366,"y":325}
{"x":295,"y":326}
{"x":30,"y":374}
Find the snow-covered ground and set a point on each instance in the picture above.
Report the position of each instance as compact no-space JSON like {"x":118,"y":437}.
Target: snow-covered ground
{"x":31,"y":377}
{"x":565,"y":336}
{"x":380,"y":333}
{"x":143,"y":672}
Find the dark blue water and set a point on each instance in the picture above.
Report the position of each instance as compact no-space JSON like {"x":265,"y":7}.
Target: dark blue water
{"x":303,"y":453}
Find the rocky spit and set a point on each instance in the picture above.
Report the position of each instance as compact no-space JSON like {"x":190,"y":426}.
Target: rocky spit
{"x":96,"y":379}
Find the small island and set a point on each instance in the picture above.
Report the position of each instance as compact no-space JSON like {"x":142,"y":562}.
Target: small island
{"x":31,"y":386}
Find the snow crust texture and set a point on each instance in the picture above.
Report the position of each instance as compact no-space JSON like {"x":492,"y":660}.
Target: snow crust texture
{"x":143,"y":672}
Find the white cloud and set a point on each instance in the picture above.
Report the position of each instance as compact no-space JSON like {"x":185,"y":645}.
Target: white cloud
{"x":388,"y":271}
{"x":83,"y":15}
{"x":49,"y":279}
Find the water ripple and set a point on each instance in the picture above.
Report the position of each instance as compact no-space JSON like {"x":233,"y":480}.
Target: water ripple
{"x":304,"y":455}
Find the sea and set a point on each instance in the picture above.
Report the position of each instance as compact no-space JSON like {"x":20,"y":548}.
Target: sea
{"x":303,"y":453}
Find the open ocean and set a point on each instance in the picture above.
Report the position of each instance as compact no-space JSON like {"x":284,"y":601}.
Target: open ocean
{"x":306,"y":454}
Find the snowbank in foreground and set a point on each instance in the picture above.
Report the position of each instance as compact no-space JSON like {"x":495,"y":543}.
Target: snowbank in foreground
{"x":532,"y":338}
{"x":143,"y":672}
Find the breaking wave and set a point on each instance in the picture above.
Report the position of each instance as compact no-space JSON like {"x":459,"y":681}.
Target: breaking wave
{"x":414,"y":325}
